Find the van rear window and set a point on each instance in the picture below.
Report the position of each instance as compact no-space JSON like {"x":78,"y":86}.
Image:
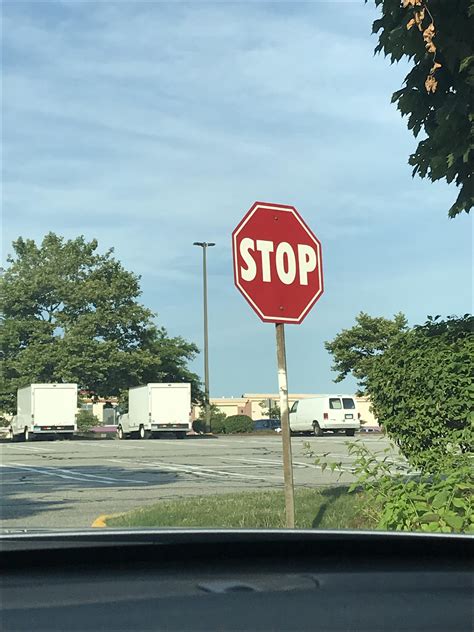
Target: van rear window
{"x":348,"y":403}
{"x":335,"y":403}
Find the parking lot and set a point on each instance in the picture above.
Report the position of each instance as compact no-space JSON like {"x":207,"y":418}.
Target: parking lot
{"x":67,"y":484}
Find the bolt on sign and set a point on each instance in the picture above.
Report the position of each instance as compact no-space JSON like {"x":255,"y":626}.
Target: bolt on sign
{"x":278,"y":269}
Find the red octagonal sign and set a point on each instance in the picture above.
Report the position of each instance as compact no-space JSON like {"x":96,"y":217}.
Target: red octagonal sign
{"x":277,"y":263}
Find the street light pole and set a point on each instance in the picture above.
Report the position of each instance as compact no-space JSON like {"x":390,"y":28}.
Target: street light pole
{"x":205,"y":245}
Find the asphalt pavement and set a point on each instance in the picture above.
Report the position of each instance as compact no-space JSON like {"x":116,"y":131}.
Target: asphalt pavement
{"x":67,"y":484}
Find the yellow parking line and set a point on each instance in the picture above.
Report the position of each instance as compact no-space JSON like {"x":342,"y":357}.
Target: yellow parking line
{"x":100,"y":521}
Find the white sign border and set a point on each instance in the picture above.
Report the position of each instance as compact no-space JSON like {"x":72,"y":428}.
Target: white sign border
{"x":280,"y":209}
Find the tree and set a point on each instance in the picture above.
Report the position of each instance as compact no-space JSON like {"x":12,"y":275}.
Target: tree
{"x":86,"y":420}
{"x":354,"y":350}
{"x":71,"y":314}
{"x":217,"y":420}
{"x":272,"y":411}
{"x":438,"y":94}
{"x":421,"y":391}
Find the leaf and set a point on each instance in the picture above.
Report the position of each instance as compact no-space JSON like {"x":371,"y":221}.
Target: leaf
{"x":419,"y":17}
{"x":421,"y":506}
{"x":431,"y":84}
{"x":410,"y":24}
{"x":466,"y":62}
{"x":429,"y":517}
{"x":456,"y":522}
{"x":429,"y":33}
{"x":460,"y":503}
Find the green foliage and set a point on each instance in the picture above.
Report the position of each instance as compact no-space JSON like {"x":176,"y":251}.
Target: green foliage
{"x":221,"y":424}
{"x":4,"y":422}
{"x":272,"y":411}
{"x":331,"y":508}
{"x":444,"y":115}
{"x":217,"y":420}
{"x":407,"y":500}
{"x":235,"y":424}
{"x":421,"y":390}
{"x":71,"y":314}
{"x":86,"y":420}
{"x":218,"y":425}
{"x":354,"y":350}
{"x":199,"y":425}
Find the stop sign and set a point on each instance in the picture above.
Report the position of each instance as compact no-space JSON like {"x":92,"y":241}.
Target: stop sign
{"x":277,"y":263}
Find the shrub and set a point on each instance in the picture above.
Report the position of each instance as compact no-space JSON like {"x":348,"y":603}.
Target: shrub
{"x":199,"y":425}
{"x":217,"y":420}
{"x":238,"y":424}
{"x":420,"y":389}
{"x":4,"y":422}
{"x":407,"y":500}
{"x":86,"y":420}
{"x":218,"y":425}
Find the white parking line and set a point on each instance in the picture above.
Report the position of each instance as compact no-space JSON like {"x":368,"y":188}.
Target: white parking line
{"x":67,"y":474}
{"x":26,"y":468}
{"x":198,"y":470}
{"x":272,"y":462}
{"x":28,"y":448}
{"x":109,"y":444}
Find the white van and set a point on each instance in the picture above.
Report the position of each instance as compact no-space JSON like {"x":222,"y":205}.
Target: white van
{"x":325,"y":412}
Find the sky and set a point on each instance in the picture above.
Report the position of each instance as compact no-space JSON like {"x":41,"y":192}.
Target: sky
{"x":151,"y":125}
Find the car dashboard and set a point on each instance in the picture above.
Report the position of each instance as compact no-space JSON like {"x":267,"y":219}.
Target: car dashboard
{"x":236,"y":580}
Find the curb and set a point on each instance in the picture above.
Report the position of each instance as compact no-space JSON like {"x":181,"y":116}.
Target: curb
{"x":100,"y":521}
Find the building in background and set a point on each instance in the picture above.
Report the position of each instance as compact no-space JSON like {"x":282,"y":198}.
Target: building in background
{"x":103,"y":408}
{"x":254,"y":405}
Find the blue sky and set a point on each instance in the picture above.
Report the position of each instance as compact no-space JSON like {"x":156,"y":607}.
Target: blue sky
{"x":150,"y":125}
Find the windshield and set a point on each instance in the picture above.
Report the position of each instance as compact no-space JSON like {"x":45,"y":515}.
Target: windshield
{"x":210,"y":220}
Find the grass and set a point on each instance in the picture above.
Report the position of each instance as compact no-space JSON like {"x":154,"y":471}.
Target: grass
{"x":328,"y":508}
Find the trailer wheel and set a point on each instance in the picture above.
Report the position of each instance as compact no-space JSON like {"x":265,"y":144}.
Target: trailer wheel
{"x":26,"y":434}
{"x":141,"y":432}
{"x":350,"y":433}
{"x":120,"y":433}
{"x":317,"y":431}
{"x":11,"y":436}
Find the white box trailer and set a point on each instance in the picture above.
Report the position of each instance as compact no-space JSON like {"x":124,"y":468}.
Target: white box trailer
{"x":317,"y":414}
{"x":156,"y":408}
{"x":45,"y":409}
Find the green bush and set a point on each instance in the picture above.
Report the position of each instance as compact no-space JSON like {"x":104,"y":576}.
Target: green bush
{"x":4,"y":422}
{"x":217,"y":420}
{"x":408,"y":500}
{"x":235,"y":424}
{"x":86,"y":420}
{"x":199,"y":425}
{"x":421,"y":390}
{"x":218,"y":425}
